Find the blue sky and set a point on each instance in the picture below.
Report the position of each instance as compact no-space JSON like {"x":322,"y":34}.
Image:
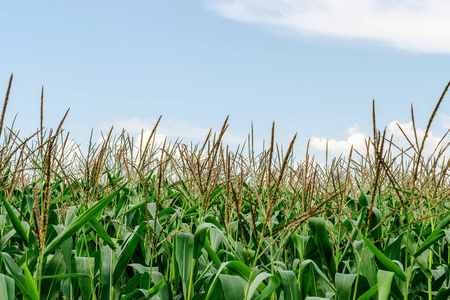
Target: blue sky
{"x":313,"y":69}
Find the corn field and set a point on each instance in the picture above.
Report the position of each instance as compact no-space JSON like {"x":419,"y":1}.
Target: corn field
{"x":177,"y":221}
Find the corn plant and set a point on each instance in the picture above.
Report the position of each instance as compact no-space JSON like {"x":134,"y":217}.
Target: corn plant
{"x":176,"y":221}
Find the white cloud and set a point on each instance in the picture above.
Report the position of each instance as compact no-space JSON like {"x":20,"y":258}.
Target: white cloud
{"x":431,"y":142}
{"x":69,"y":154}
{"x":157,"y":139}
{"x":357,"y":138}
{"x":413,"y":25}
{"x":101,"y":140}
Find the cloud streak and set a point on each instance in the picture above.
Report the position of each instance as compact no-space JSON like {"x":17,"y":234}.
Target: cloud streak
{"x":412,"y":25}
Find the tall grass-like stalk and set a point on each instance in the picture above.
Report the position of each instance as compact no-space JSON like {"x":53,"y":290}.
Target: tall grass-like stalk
{"x":129,"y":220}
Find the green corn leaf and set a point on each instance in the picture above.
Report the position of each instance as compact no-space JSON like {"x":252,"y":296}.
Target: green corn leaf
{"x":140,"y":205}
{"x":15,"y":273}
{"x":370,"y":293}
{"x":443,"y":224}
{"x":291,"y":287}
{"x":422,"y":259}
{"x":200,"y":237}
{"x":367,"y":266}
{"x":304,"y":245}
{"x":15,"y":222}
{"x":344,"y":285}
{"x":431,"y":239}
{"x":66,"y":248}
{"x":7,"y":287}
{"x":70,"y":230}
{"x":137,"y":294}
{"x":274,"y":283}
{"x":233,"y":286}
{"x":155,"y":289}
{"x":364,"y":200}
{"x":393,"y":250}
{"x":6,"y":238}
{"x":443,"y":294}
{"x":214,"y":221}
{"x":34,"y":295}
{"x":320,"y":235}
{"x":102,"y":233}
{"x":359,"y":224}
{"x":143,"y":269}
{"x":126,"y":254}
{"x":165,"y":291}
{"x":237,"y":267}
{"x":384,"y":284}
{"x":184,"y":256}
{"x":165,"y":212}
{"x":375,"y":219}
{"x":107,"y":272}
{"x":131,"y":284}
{"x":70,"y":275}
{"x":212,"y":254}
{"x":384,"y":260}
{"x":85,"y":265}
{"x":306,"y":281}
{"x":447,"y":236}
{"x":56,"y":270}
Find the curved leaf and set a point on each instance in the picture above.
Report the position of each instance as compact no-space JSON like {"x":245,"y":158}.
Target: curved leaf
{"x":7,"y":287}
{"x":70,"y":230}
{"x":15,"y":222}
{"x":344,"y":285}
{"x":34,"y":295}
{"x":233,"y":287}
{"x":126,"y":254}
{"x":184,"y":256}
{"x":384,"y":284}
{"x":291,"y":287}
{"x":320,"y":235}
{"x":384,"y":260}
{"x":274,"y":282}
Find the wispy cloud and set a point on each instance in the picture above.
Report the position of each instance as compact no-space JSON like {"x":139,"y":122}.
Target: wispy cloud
{"x":413,"y":25}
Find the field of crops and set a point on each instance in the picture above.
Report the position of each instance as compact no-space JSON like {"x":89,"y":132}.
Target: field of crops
{"x":177,"y":221}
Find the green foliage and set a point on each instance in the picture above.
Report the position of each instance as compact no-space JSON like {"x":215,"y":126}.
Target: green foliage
{"x":114,"y":248}
{"x":167,"y":222}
